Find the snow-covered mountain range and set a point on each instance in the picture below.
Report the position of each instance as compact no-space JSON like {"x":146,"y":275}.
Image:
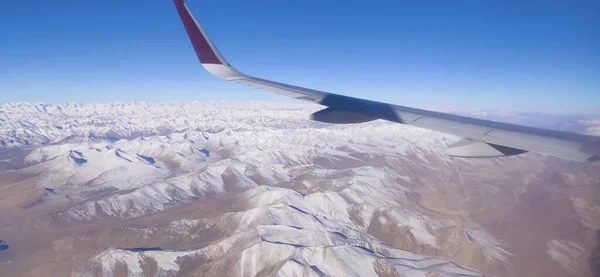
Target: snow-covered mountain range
{"x":257,"y":189}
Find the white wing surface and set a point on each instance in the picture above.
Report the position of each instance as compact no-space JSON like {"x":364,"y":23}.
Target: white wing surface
{"x":481,"y":138}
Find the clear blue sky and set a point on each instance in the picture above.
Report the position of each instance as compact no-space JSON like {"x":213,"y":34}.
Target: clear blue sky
{"x":487,"y":55}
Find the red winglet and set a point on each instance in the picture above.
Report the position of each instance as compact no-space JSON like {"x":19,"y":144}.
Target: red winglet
{"x":204,"y":49}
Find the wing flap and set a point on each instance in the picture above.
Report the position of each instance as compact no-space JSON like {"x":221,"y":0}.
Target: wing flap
{"x":468,"y":148}
{"x":334,"y":116}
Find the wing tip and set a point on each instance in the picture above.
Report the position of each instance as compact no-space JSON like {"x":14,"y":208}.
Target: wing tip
{"x":205,"y":50}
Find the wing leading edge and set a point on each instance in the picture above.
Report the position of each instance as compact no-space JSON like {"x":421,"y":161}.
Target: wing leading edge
{"x":482,"y":138}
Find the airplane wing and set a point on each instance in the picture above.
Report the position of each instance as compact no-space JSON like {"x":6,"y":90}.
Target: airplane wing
{"x":481,"y":138}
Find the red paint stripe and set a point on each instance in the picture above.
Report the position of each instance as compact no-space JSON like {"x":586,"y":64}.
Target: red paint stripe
{"x":200,"y":43}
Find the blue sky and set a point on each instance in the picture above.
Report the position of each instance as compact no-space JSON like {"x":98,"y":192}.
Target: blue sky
{"x":475,"y":55}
